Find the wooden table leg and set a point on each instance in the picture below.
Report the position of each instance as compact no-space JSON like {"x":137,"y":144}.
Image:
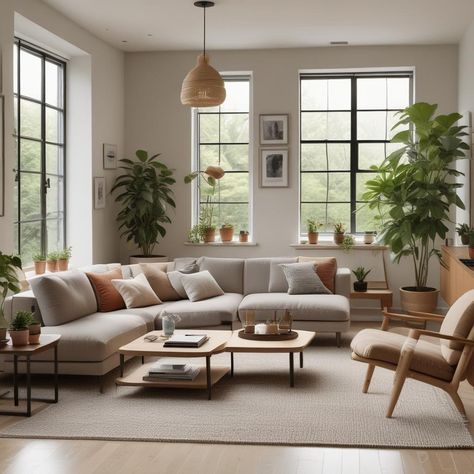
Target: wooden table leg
{"x":231,"y":364}
{"x":122,"y":363}
{"x":301,"y":359}
{"x":28,"y":386}
{"x":15,"y":379}
{"x":292,"y":370}
{"x":208,"y":376}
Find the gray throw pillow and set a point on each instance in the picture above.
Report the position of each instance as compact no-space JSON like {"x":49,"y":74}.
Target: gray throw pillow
{"x":302,"y":279}
{"x":176,"y":282}
{"x":200,"y":286}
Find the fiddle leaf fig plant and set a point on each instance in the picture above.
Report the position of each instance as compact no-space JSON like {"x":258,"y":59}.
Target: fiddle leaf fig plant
{"x":146,"y":196}
{"x":8,"y":281}
{"x":414,"y":186}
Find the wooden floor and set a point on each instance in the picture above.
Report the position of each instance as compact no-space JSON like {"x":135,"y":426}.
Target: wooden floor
{"x":125,"y":457}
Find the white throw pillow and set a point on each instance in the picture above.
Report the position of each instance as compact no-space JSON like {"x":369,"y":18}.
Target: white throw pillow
{"x":176,"y":280}
{"x":136,"y":292}
{"x":200,"y":286}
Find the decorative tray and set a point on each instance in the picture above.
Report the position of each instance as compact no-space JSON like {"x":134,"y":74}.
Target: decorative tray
{"x":268,"y":337}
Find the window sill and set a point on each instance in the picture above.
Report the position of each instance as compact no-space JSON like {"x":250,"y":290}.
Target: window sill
{"x":332,"y":246}
{"x":221,"y":244}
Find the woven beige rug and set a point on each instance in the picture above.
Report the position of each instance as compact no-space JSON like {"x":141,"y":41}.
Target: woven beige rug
{"x":257,"y":406}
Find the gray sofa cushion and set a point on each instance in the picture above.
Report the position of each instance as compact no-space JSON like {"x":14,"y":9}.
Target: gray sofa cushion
{"x":64,"y":297}
{"x":149,"y":314}
{"x":277,"y":281}
{"x":228,"y":272}
{"x":257,"y":274}
{"x":210,"y":312}
{"x":302,"y":307}
{"x":302,"y":279}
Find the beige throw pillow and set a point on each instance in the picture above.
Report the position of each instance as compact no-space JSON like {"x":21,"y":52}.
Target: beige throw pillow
{"x":159,"y":281}
{"x":200,"y":286}
{"x":136,"y":292}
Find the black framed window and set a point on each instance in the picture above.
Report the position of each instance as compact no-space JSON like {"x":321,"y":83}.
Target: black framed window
{"x":39,"y":95}
{"x":222,"y":139}
{"x":346,"y":125}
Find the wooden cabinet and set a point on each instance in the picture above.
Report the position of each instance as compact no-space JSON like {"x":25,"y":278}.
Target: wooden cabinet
{"x":456,"y":278}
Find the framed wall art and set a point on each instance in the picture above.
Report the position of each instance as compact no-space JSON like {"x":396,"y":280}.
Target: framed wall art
{"x":273,"y":129}
{"x":110,"y":156}
{"x":273,"y":168}
{"x":99,"y":193}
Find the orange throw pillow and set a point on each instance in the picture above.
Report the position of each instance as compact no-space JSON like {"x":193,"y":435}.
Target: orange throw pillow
{"x":326,"y":268}
{"x":108,"y":298}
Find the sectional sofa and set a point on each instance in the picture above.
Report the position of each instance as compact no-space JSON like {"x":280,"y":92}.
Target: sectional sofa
{"x":65,"y":304}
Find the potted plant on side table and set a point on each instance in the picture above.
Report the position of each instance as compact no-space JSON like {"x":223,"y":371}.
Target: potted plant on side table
{"x":312,"y":225}
{"x":39,"y":261}
{"x":19,"y":328}
{"x":361,"y":274}
{"x":8,"y":282}
{"x":414,"y":191}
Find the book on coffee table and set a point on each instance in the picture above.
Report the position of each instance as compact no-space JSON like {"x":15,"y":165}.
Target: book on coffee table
{"x":186,"y":340}
{"x":166,"y":366}
{"x":190,"y":374}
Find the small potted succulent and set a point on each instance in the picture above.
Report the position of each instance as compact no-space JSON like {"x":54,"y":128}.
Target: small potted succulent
{"x":39,"y":260}
{"x":227,"y":232}
{"x":313,"y":225}
{"x":369,"y":236}
{"x":244,"y":236}
{"x":63,"y":259}
{"x":34,"y":330}
{"x":52,"y":261}
{"x":463,"y":230}
{"x":19,"y":328}
{"x":339,"y":231}
{"x":360,"y":273}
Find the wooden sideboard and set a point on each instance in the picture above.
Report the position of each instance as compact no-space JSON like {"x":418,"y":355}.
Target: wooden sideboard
{"x":457,"y":278}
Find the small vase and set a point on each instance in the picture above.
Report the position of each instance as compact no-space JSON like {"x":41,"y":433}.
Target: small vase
{"x":168,"y":326}
{"x":369,"y":239}
{"x":465,"y":239}
{"x":243,"y":236}
{"x":313,"y":237}
{"x":360,"y":286}
{"x":20,"y":338}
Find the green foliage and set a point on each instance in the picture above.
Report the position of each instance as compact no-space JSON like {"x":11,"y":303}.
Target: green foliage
{"x":413,"y":196}
{"x":348,"y":242}
{"x":339,"y":228}
{"x":361,"y":273}
{"x":39,"y":257}
{"x":21,"y":321}
{"x":313,"y":225}
{"x":227,"y":226}
{"x":65,"y":254}
{"x":53,"y":256}
{"x":463,"y":229}
{"x":8,"y":280}
{"x":145,"y":195}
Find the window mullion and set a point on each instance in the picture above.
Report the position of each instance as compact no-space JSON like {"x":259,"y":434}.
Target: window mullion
{"x":43,"y":188}
{"x":354,"y":151}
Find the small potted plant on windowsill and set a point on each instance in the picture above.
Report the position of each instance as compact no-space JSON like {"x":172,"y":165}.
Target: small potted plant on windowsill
{"x":19,"y":328}
{"x":369,"y":236}
{"x":360,"y":273}
{"x":39,"y":260}
{"x":243,"y":236}
{"x":339,"y":231}
{"x":463,"y":230}
{"x":227,"y":232}
{"x":312,"y":226}
{"x":63,"y":259}
{"x":52,"y":262}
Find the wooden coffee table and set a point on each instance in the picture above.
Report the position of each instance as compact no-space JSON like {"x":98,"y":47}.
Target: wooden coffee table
{"x":237,"y":344}
{"x":204,"y":380}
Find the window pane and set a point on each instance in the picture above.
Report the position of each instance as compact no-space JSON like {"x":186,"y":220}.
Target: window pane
{"x":325,"y":187}
{"x":365,"y":218}
{"x":54,"y":125}
{"x":30,"y":240}
{"x":208,"y":128}
{"x":372,"y":93}
{"x":398,"y":92}
{"x":30,"y":76}
{"x":324,"y":156}
{"x":326,"y":125}
{"x":326,"y":94}
{"x":54,"y":159}
{"x":55,"y":229}
{"x":208,"y":156}
{"x":361,"y":179}
{"x":328,"y":214}
{"x":30,"y":188}
{"x":53,"y":85}
{"x":233,"y":187}
{"x":54,"y":196}
{"x":30,"y":117}
{"x":30,"y":159}
{"x":235,"y":128}
{"x":374,"y":153}
{"x":237,"y":96}
{"x":235,"y":214}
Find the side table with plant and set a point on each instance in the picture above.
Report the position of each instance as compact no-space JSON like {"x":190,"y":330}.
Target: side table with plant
{"x":39,"y":261}
{"x":19,"y":328}
{"x":8,"y":282}
{"x":361,"y":274}
{"x":339,"y":231}
{"x":312,"y":226}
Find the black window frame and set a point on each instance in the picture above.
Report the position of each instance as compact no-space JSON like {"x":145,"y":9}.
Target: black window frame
{"x":45,"y":56}
{"x":353,"y":141}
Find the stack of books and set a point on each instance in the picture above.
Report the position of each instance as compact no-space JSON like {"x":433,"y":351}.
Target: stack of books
{"x":186,"y":340}
{"x":165,"y":370}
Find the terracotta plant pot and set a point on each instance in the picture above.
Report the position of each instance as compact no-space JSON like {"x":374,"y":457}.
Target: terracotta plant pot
{"x":313,"y":237}
{"x":471,"y":252}
{"x":227,"y":234}
{"x":465,"y":239}
{"x":243,"y":236}
{"x":338,"y":237}
{"x":40,"y":267}
{"x":34,"y":333}
{"x":424,"y":301}
{"x":360,"y":286}
{"x":20,"y":338}
{"x":63,"y":265}
{"x":52,"y":265}
{"x":209,"y":235}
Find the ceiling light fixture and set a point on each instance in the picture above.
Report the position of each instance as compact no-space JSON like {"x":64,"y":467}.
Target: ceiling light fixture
{"x":203,"y":86}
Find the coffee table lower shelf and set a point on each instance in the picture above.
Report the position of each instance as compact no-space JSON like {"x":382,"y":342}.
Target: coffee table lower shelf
{"x":135,"y":378}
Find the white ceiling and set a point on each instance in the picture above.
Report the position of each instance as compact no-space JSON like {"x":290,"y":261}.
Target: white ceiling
{"x":251,"y":24}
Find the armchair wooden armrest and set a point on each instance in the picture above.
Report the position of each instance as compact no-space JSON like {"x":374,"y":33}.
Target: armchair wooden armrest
{"x":416,"y":333}
{"x":413,"y":316}
{"x":427,"y":316}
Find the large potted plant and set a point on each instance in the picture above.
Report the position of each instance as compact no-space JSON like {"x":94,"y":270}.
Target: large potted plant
{"x":145,"y":195}
{"x":8,"y":282}
{"x":413,"y":192}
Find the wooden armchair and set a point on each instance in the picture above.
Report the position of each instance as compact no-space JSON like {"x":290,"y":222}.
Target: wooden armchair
{"x":443,"y":365}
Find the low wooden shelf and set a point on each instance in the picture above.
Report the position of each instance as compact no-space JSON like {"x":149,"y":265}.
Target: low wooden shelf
{"x":385,"y":296}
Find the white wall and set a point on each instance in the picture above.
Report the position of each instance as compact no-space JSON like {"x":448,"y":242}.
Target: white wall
{"x":106,"y":117}
{"x":156,"y":121}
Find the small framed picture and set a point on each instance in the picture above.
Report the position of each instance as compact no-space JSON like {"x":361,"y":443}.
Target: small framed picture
{"x":274,"y":168}
{"x":273,"y":129}
{"x":99,"y":193}
{"x":110,"y":156}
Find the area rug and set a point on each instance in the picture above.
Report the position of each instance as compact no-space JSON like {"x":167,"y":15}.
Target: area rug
{"x":325,"y":408}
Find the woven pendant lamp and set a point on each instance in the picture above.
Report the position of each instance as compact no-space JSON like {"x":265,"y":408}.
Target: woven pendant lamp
{"x":203,"y":86}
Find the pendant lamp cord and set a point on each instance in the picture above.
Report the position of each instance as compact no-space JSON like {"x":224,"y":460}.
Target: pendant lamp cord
{"x":204,"y":32}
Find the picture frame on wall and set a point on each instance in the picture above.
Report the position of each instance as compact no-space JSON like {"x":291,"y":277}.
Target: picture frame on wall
{"x":110,"y":156}
{"x":99,"y":193}
{"x":273,"y":129}
{"x":274,"y":168}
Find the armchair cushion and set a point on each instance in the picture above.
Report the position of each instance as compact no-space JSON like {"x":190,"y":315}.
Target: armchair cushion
{"x":386,"y":347}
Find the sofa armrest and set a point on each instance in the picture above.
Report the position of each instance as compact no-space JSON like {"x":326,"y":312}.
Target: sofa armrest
{"x":343,"y":282}
{"x":24,"y":301}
